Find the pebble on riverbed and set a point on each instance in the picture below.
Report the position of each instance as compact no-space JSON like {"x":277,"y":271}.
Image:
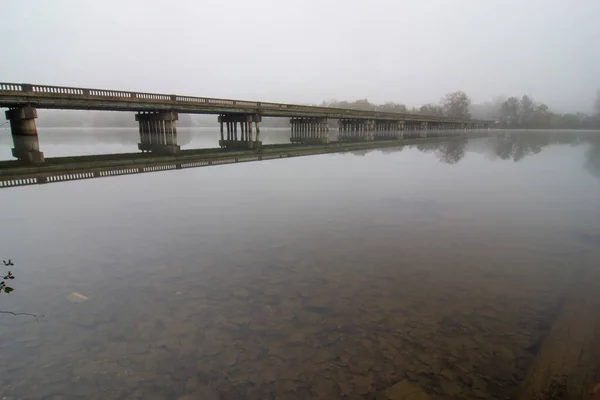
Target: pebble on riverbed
{"x":75,"y":297}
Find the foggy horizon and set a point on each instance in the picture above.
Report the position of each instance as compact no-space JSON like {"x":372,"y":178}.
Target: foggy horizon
{"x":307,"y":52}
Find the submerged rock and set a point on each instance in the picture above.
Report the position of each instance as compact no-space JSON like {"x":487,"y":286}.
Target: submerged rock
{"x":75,"y":297}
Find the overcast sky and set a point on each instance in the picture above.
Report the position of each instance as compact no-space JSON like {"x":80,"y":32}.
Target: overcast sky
{"x":306,"y":51}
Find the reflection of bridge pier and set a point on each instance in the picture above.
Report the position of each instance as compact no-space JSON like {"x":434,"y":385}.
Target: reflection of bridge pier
{"x":356,"y":130}
{"x":158,"y":132}
{"x":389,"y":130}
{"x":412,"y":129}
{"x":424,"y":128}
{"x":24,"y":133}
{"x":310,"y":130}
{"x":434,"y":129}
{"x":228,"y":124}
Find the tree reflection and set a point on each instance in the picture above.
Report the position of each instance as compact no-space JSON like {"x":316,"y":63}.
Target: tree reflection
{"x":362,"y":153}
{"x":447,"y":151}
{"x":592,"y":155}
{"x":452,"y":152}
{"x":518,"y":145}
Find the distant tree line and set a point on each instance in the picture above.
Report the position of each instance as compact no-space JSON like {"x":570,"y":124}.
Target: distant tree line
{"x":454,"y":105}
{"x":525,"y":113}
{"x":512,"y":113}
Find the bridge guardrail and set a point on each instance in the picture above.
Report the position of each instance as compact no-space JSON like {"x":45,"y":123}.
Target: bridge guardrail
{"x":10,"y":87}
{"x":254,"y":106}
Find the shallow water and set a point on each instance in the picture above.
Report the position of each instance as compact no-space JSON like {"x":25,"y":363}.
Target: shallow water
{"x":442,"y":265}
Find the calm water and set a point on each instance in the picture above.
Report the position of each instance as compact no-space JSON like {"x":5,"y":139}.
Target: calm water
{"x":440,"y":266}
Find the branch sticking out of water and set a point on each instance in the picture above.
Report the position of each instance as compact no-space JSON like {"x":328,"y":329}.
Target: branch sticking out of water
{"x":24,"y":313}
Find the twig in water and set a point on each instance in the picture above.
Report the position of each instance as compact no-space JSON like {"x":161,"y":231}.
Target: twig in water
{"x":24,"y":313}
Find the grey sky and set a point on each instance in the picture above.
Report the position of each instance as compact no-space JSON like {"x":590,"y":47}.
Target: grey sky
{"x":310,"y":50}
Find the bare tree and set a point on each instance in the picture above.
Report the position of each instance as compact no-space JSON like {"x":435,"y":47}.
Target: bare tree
{"x":431,"y":109}
{"x":390,"y":106}
{"x":456,"y":105}
{"x":526,"y":112}
{"x":509,"y":113}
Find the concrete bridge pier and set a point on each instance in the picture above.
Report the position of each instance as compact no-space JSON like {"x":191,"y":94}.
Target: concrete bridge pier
{"x":24,"y":133}
{"x":452,"y":131}
{"x":158,"y":132}
{"x":400,"y":128}
{"x":356,"y":130}
{"x":424,"y":128}
{"x":231,"y":138}
{"x":412,"y":129}
{"x":309,"y":130}
{"x":388,"y":130}
{"x":434,"y":129}
{"x":443,"y":129}
{"x":468,"y":128}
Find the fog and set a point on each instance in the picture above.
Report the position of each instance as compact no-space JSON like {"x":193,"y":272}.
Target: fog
{"x":308,"y":51}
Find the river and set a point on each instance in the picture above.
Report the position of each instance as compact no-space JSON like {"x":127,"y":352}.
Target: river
{"x":437,"y":267}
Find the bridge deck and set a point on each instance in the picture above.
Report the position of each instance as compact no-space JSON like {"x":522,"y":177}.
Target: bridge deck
{"x":59,"y":97}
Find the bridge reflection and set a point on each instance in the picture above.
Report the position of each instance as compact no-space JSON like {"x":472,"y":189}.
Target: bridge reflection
{"x":508,"y":146}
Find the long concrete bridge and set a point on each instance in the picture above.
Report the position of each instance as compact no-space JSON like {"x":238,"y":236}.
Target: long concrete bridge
{"x":239,"y":120}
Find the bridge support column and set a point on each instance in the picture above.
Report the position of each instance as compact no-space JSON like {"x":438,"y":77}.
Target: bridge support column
{"x":309,"y":130}
{"x":388,"y":130}
{"x":433,"y":129}
{"x":244,"y":140}
{"x":158,"y":132}
{"x":410,"y":129}
{"x":459,"y":129}
{"x":24,"y":133}
{"x":343,"y":130}
{"x":257,"y":119}
{"x":400,"y":129}
{"x":424,"y":127}
{"x":356,"y":130}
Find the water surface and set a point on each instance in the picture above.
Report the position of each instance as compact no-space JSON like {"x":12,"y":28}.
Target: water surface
{"x":440,"y":265}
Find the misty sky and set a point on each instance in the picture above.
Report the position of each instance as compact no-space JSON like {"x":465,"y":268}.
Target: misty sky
{"x":306,"y":51}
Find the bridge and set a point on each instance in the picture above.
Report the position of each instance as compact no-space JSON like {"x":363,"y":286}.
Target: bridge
{"x":157,"y":115}
{"x":239,"y":126}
